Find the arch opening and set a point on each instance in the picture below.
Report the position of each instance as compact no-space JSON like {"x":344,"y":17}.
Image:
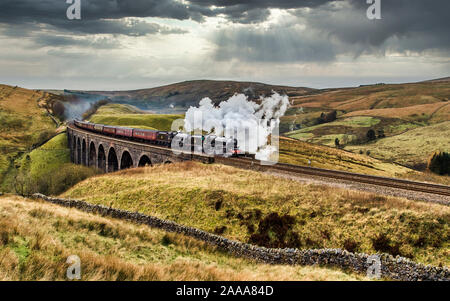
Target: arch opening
{"x":78,"y":160}
{"x":83,"y":152}
{"x":92,"y":155}
{"x":113,"y":164}
{"x":101,"y":158}
{"x":72,"y":149}
{"x":144,"y":161}
{"x":126,"y":161}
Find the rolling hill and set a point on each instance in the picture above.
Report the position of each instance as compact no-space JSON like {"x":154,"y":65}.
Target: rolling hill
{"x":391,"y":111}
{"x":180,"y":96}
{"x":26,"y":120}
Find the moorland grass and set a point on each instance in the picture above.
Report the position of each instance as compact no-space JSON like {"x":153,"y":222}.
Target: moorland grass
{"x":37,"y":238}
{"x":297,"y":152}
{"x":23,"y":123}
{"x":248,"y":206}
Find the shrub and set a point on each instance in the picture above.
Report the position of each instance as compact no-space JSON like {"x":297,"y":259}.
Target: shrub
{"x":382,"y":243}
{"x":276,"y":231}
{"x":43,"y":137}
{"x":4,"y":237}
{"x":67,"y":176}
{"x":351,"y":245}
{"x":220,"y":230}
{"x":329,"y":117}
{"x":54,"y":181}
{"x":371,"y":135}
{"x":439,"y":163}
{"x":166,"y":240}
{"x":58,"y":109}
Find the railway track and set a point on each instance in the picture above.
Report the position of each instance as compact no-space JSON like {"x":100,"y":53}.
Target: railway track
{"x":248,"y":163}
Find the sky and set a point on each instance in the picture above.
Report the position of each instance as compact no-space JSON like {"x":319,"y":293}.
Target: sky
{"x":133,"y":44}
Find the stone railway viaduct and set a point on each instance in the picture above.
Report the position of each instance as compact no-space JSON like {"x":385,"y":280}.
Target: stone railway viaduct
{"x":111,"y":154}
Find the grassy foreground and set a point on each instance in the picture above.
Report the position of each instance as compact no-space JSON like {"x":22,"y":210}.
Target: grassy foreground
{"x":274,"y":212}
{"x":37,"y":238}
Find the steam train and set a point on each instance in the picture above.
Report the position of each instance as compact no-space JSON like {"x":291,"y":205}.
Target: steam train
{"x":206,"y":144}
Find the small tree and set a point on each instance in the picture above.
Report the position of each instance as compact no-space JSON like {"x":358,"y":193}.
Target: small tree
{"x":58,"y":109}
{"x":336,"y":142}
{"x":331,"y":116}
{"x":439,"y":163}
{"x":371,"y":135}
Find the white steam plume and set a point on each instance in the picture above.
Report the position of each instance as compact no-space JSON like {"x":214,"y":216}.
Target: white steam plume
{"x":250,"y":123}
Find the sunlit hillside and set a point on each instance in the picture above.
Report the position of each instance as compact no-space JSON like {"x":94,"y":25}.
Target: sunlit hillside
{"x":26,"y":120}
{"x":402,"y":117}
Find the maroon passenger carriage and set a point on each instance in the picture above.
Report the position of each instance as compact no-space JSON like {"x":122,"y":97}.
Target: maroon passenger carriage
{"x":221,"y":146}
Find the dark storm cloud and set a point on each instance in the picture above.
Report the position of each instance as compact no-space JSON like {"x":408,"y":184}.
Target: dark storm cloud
{"x":43,"y":40}
{"x":427,"y":22}
{"x":53,"y":12}
{"x":342,"y":28}
{"x":98,"y":16}
{"x":253,"y":11}
{"x":330,"y":28}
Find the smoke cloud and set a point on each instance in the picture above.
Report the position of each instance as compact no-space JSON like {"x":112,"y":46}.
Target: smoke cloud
{"x":249,"y":122}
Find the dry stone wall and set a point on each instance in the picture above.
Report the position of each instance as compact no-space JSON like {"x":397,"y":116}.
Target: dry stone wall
{"x":397,"y":268}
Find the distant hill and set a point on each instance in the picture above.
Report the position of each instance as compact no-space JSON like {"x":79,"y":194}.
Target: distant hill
{"x":390,"y":110}
{"x":189,"y":93}
{"x":438,"y":80}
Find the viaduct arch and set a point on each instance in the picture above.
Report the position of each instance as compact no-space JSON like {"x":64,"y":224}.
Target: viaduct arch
{"x":110,"y":154}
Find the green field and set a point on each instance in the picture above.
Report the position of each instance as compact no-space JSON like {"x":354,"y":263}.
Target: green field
{"x":50,"y":156}
{"x":274,"y":212}
{"x":411,"y":148}
{"x":46,"y":169}
{"x":349,"y":130}
{"x":119,"y":115}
